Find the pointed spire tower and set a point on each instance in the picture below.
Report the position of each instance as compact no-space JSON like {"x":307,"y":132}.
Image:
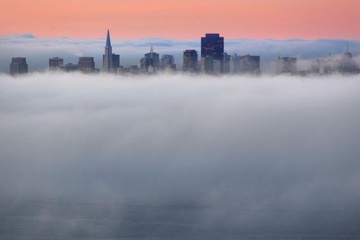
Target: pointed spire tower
{"x":107,"y":59}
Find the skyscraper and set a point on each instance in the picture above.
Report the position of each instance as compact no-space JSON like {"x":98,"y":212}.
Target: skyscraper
{"x":286,"y":65}
{"x":212,"y":48}
{"x":86,"y":64}
{"x":150,"y":62}
{"x":108,"y":58}
{"x":18,"y":65}
{"x":190,"y":61}
{"x":249,"y":64}
{"x":55,"y":63}
{"x":115,"y":61}
{"x":168,"y":62}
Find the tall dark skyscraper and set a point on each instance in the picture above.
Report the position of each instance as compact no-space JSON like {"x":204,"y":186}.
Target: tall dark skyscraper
{"x":150,"y":62}
{"x":190,"y":61}
{"x":18,"y":65}
{"x":115,"y":61}
{"x":108,"y":59}
{"x":212,"y":45}
{"x":212,"y":49}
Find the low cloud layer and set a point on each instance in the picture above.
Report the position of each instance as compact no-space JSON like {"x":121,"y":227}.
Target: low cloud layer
{"x":39,"y":50}
{"x":179,"y":157}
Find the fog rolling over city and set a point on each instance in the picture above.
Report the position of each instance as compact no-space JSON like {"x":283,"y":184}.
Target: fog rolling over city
{"x":179,"y":157}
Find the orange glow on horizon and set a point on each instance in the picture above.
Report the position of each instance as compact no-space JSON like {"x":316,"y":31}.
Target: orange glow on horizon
{"x":185,"y":19}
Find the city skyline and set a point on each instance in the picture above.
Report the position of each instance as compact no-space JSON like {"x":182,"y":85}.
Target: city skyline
{"x":214,"y":60}
{"x":207,"y":119}
{"x":279,"y":19}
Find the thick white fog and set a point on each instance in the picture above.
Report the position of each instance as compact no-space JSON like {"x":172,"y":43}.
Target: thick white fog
{"x":179,"y":157}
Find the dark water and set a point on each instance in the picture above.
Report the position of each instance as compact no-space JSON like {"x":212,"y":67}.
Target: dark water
{"x":38,"y":219}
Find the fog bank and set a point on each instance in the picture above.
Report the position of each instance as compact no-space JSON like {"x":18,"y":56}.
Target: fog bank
{"x":179,"y":157}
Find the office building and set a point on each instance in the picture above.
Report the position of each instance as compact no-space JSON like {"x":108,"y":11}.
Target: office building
{"x":150,"y":63}
{"x":111,"y":61}
{"x":212,"y":48}
{"x":235,"y":64}
{"x":207,"y":65}
{"x":249,"y":64}
{"x":226,"y":64}
{"x":18,"y":65}
{"x":107,"y":57}
{"x":168,"y":62}
{"x":347,"y":64}
{"x":55,"y":63}
{"x":115,"y":62}
{"x":86,"y":64}
{"x":335,"y":64}
{"x":286,"y":65}
{"x":190,"y":61}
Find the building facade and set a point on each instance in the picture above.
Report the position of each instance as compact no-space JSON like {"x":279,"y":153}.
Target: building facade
{"x":286,"y":65}
{"x":190,"y":61}
{"x":55,"y":63}
{"x":168,"y":63}
{"x":249,"y":64}
{"x":212,"y":49}
{"x":150,"y":63}
{"x":108,"y":56}
{"x":18,"y":65}
{"x":86,"y":64}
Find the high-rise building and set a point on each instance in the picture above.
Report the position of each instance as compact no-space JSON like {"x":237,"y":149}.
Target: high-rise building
{"x":249,"y":64}
{"x":86,"y":64}
{"x":55,"y":63}
{"x":286,"y":65}
{"x":226,"y":63}
{"x":111,"y":62}
{"x":115,"y":61}
{"x":150,"y":62}
{"x":235,"y":64}
{"x":190,"y":61}
{"x":108,"y":56}
{"x":347,"y":64}
{"x":168,"y":62}
{"x":115,"y":58}
{"x":207,"y":64}
{"x":18,"y":65}
{"x":212,"y":47}
{"x":334,"y":64}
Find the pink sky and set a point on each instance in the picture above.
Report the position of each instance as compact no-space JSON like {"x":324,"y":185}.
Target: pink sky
{"x":186,"y":19}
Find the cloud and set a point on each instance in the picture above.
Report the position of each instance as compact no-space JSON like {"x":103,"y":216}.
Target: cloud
{"x":102,"y":156}
{"x":39,"y":50}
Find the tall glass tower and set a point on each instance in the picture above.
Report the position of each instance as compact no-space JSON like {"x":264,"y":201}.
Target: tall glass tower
{"x":212,"y":45}
{"x":212,"y":51}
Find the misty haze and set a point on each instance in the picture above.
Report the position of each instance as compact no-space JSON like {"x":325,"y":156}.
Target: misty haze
{"x":179,"y":157}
